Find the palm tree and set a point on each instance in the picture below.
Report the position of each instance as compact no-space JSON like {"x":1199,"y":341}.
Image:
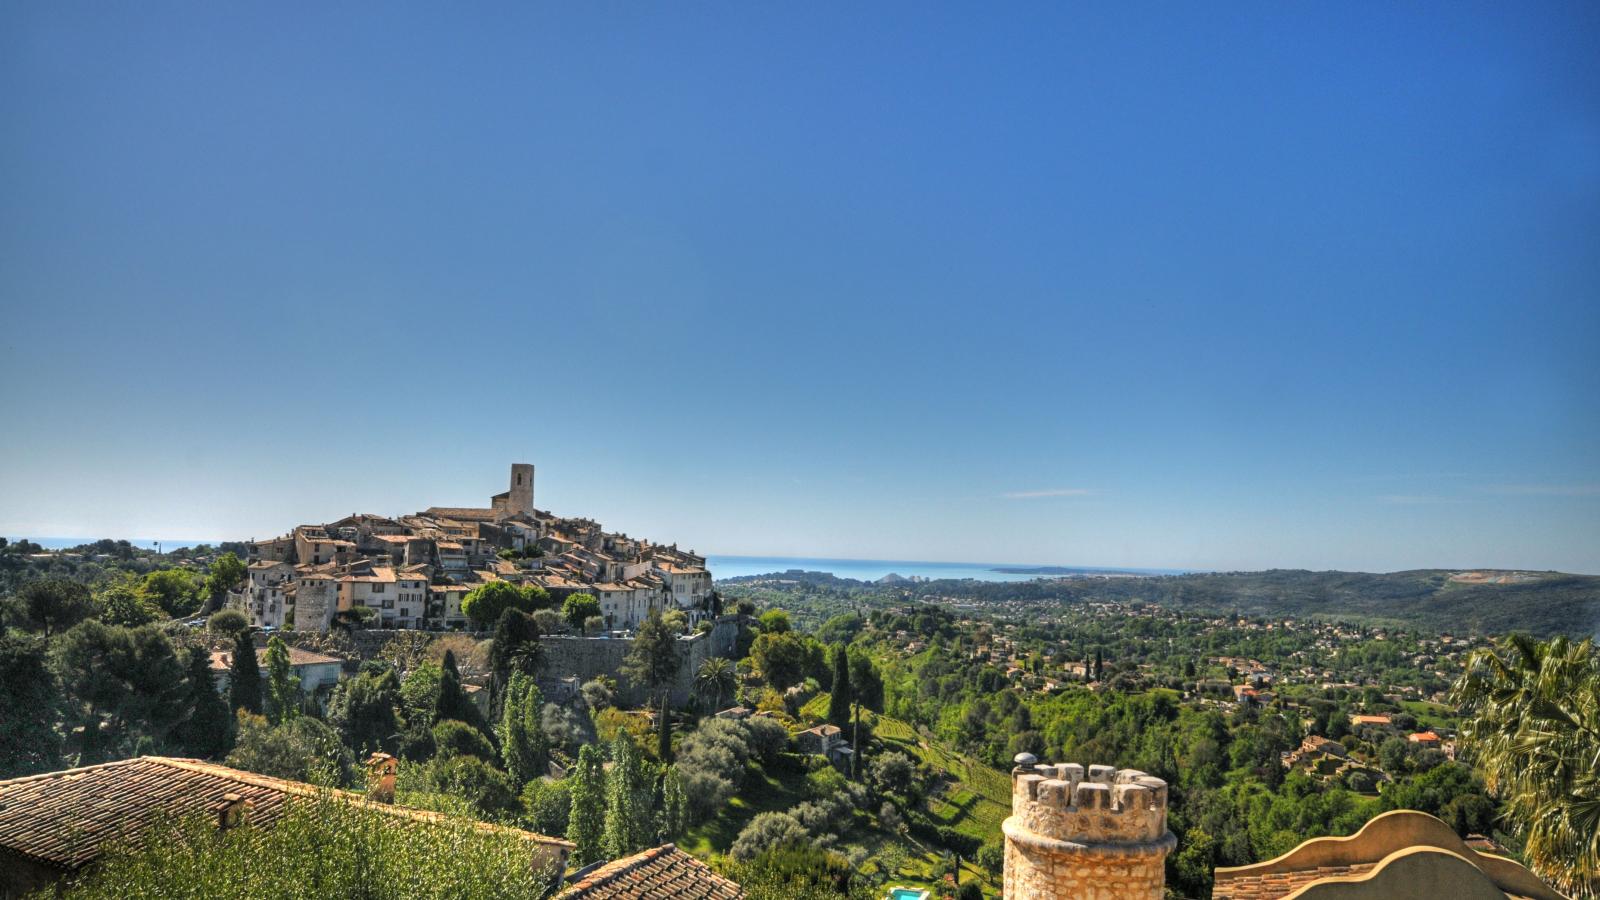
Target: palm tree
{"x":1533,"y":729}
{"x":716,"y":678}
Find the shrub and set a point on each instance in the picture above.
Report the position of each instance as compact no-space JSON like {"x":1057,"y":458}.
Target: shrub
{"x":767,"y":738}
{"x":228,"y":622}
{"x":797,"y":873}
{"x":301,"y":749}
{"x":768,"y":831}
{"x":485,"y":790}
{"x":452,"y":738}
{"x":546,"y":805}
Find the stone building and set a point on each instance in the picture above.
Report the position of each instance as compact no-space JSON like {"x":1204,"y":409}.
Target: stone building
{"x":1095,"y":834}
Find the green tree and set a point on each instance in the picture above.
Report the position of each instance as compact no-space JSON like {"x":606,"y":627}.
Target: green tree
{"x":49,"y":606}
{"x":775,"y":621}
{"x":781,"y":658}
{"x":586,"y":823}
{"x":516,"y":648}
{"x":717,"y":678}
{"x":547,"y":804}
{"x":283,"y":687}
{"x":653,"y":661}
{"x":301,"y":749}
{"x":244,"y":679}
{"x":486,"y":790}
{"x":174,"y":591}
{"x":363,"y":710}
{"x":1533,"y":730}
{"x":88,"y":660}
{"x":120,"y":684}
{"x":486,"y":603}
{"x":577,"y":610}
{"x":866,"y":684}
{"x":522,"y":740}
{"x":839,"y":696}
{"x":453,"y":702}
{"x":629,"y":822}
{"x":122,"y":603}
{"x":227,"y":573}
{"x":208,"y":730}
{"x":453,"y":738}
{"x":674,"y":805}
{"x":29,"y":742}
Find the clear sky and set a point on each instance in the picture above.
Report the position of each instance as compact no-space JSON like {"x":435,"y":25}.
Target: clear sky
{"x":1218,"y":285}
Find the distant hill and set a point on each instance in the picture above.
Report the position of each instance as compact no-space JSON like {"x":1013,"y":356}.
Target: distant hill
{"x":1442,"y":600}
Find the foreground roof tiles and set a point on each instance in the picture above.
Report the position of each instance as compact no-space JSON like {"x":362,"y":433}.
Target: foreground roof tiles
{"x":65,"y":819}
{"x":658,"y":874}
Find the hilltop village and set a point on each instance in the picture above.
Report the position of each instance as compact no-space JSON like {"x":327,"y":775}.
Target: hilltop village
{"x":414,"y":571}
{"x":810,"y":742}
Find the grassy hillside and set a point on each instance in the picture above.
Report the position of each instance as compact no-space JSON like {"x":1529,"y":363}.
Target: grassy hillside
{"x":977,"y":801}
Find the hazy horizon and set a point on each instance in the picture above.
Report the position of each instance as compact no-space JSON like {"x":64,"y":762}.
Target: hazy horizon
{"x":1144,"y":285}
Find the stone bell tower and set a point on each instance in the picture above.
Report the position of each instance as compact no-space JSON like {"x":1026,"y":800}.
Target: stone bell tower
{"x":519,"y":499}
{"x":1095,"y":835}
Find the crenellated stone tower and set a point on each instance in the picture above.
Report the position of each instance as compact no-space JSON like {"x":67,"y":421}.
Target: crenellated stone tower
{"x":1077,"y":835}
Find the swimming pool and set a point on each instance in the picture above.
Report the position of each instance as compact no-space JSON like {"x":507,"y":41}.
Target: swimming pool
{"x":907,"y":894}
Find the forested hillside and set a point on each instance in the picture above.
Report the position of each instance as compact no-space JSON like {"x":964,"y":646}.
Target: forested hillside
{"x":1543,"y":603}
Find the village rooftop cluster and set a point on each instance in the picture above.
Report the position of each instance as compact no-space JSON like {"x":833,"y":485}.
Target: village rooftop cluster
{"x":414,"y":571}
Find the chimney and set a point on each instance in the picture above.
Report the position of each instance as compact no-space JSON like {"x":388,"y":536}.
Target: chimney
{"x":381,"y":769}
{"x":233,"y":811}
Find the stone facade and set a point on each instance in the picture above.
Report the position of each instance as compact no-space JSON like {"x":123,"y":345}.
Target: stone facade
{"x":1095,"y":834}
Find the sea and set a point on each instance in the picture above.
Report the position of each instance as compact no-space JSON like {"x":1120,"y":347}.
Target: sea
{"x":62,"y":543}
{"x":874,"y":569}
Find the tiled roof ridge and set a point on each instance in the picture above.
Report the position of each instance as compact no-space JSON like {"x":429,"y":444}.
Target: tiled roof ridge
{"x":619,"y":867}
{"x":63,"y":773}
{"x":291,"y":788}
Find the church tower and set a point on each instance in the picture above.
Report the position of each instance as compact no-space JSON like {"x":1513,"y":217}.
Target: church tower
{"x":519,"y":500}
{"x":1089,"y":834}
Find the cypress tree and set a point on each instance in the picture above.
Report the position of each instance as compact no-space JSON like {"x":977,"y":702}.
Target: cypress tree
{"x":674,"y":805}
{"x":206,"y":732}
{"x":453,"y":702}
{"x":522,"y":741}
{"x":586,"y":823}
{"x":283,"y":688}
{"x":628,"y":820}
{"x":839,"y":698}
{"x":244,"y":680}
{"x":664,"y":735}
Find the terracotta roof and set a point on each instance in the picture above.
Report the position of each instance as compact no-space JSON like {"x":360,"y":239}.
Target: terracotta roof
{"x":1276,"y":884}
{"x":461,"y":512}
{"x":64,"y":819}
{"x":222,"y":660}
{"x":658,"y":874}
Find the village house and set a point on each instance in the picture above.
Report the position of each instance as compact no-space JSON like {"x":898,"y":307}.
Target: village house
{"x":315,"y":670}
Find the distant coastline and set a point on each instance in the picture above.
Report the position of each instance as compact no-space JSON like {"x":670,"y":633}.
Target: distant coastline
{"x":63,"y":543}
{"x":727,"y":566}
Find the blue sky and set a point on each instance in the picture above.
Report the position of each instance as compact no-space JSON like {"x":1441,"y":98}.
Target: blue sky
{"x":1202,"y":285}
